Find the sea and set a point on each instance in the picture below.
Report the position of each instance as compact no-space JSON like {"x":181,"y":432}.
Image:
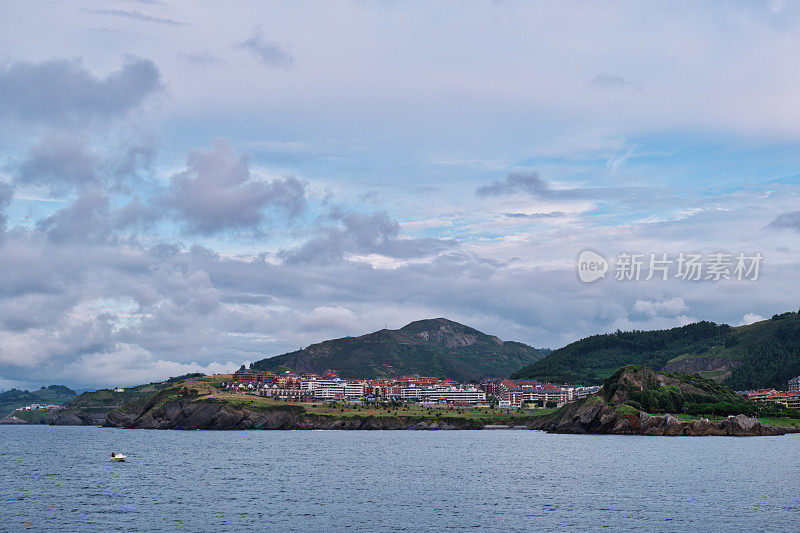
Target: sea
{"x":62,"y":479}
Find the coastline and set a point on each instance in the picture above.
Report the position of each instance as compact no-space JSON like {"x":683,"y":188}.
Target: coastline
{"x":200,"y":403}
{"x":590,"y":417}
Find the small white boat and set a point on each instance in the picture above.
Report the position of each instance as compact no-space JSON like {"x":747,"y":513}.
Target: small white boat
{"x":118,"y":457}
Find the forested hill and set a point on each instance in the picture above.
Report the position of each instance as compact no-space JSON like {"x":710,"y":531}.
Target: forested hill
{"x":15,"y":398}
{"x":763,"y":354}
{"x":435,"y":347}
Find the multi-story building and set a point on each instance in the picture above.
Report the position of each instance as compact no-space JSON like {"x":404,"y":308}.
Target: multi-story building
{"x":288,"y":380}
{"x":791,"y":400}
{"x":468,"y":395}
{"x":544,"y":393}
{"x":338,"y":389}
{"x":763,"y":395}
{"x":309,"y":382}
{"x":393,"y":391}
{"x":411,"y":394}
{"x":787,"y":399}
{"x":266,"y":378}
{"x":244,"y":376}
{"x":273,"y":391}
{"x":492,"y":387}
{"x":794,"y":384}
{"x":514,"y":396}
{"x":455,"y":395}
{"x":329,"y":386}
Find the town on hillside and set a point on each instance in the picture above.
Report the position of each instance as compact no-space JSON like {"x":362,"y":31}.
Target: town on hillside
{"x":501,"y":393}
{"x":491,"y":392}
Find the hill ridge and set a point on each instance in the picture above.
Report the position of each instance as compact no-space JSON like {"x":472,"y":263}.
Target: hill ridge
{"x":435,"y":346}
{"x":758,"y":355}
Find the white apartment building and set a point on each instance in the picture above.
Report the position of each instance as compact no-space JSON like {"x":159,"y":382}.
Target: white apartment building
{"x":411,"y":393}
{"x":337,"y":389}
{"x":448,"y":394}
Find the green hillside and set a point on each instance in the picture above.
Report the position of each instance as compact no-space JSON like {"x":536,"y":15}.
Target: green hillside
{"x":101,"y":401}
{"x":15,"y":398}
{"x":679,"y":393}
{"x":435,"y":347}
{"x":763,"y":354}
{"x":109,"y":399}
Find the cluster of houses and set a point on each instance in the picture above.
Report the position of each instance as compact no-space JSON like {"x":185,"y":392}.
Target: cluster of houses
{"x":40,"y":407}
{"x":429,"y":390}
{"x":790,"y":399}
{"x":518,"y":392}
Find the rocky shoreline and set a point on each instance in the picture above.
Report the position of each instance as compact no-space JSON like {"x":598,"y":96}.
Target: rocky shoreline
{"x":591,"y":416}
{"x":187,"y":414}
{"x":61,"y":418}
{"x":595,"y":416}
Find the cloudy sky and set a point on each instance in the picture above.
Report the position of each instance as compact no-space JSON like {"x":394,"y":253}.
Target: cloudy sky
{"x":187,"y":186}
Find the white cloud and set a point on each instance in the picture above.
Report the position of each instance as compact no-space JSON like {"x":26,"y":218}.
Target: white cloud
{"x":750,"y":318}
{"x":670,"y":307}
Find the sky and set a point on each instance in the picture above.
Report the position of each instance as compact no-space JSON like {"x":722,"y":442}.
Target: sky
{"x":189,"y":186}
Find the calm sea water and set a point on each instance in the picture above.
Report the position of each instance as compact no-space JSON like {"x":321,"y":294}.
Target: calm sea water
{"x":60,"y":478}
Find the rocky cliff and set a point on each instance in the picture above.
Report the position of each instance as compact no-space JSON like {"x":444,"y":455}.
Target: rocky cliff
{"x":590,"y":416}
{"x":61,"y":417}
{"x":594,"y":415}
{"x":186,"y":413}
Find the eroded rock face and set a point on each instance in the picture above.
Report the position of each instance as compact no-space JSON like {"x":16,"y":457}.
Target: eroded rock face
{"x":11,"y":419}
{"x":594,"y":415}
{"x":188,"y":414}
{"x":75,"y":419}
{"x":701,"y":364}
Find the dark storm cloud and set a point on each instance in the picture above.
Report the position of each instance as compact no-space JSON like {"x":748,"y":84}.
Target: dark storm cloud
{"x":516,"y":182}
{"x":136,"y":215}
{"x":66,"y":162}
{"x":89,"y":219}
{"x":85,"y":220}
{"x":217,"y":193}
{"x":790,"y":220}
{"x":553,"y":214}
{"x":60,"y":161}
{"x":269,"y":52}
{"x":363,"y":234}
{"x":531,"y":184}
{"x":6,"y":194}
{"x":615,"y":83}
{"x":201,"y":59}
{"x":64,"y":92}
{"x":133,"y":158}
{"x":134,"y":15}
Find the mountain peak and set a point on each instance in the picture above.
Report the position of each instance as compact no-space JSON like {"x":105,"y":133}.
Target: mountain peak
{"x":433,"y":347}
{"x":444,"y":332}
